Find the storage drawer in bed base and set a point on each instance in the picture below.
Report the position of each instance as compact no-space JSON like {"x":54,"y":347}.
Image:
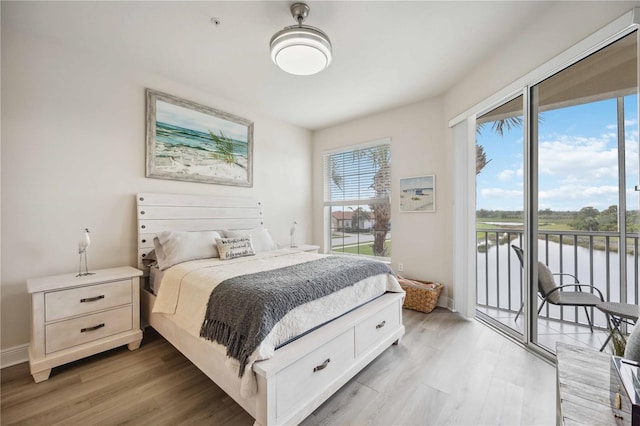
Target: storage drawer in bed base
{"x":348,"y":340}
{"x":262,"y":406}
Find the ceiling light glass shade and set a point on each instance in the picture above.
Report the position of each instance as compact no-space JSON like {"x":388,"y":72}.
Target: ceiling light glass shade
{"x":301,"y":50}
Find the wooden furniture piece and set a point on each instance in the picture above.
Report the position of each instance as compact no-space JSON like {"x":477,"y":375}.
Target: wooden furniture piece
{"x":308,"y":248}
{"x":76,"y":316}
{"x":584,"y":388}
{"x":302,"y":374}
{"x":182,"y":212}
{"x":618,"y":313}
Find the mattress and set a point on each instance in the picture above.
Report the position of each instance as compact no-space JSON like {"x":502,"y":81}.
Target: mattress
{"x":184,"y":291}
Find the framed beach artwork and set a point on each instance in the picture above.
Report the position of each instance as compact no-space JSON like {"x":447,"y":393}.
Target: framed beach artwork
{"x":418,"y":194}
{"x":191,"y":142}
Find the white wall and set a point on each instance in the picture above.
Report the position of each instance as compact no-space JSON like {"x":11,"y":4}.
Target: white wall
{"x":422,"y":242}
{"x":73,"y":156}
{"x":564,"y":24}
{"x":422,"y":142}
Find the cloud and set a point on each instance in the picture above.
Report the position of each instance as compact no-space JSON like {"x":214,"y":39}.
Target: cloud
{"x":632,"y":155}
{"x":573,"y":171}
{"x":567,"y":197}
{"x":627,"y":123}
{"x":506,"y":175}
{"x":500,"y":193}
{"x":578,"y":159}
{"x":578,"y":192}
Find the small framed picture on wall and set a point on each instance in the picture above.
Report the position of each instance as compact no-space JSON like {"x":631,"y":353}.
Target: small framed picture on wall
{"x":418,"y":194}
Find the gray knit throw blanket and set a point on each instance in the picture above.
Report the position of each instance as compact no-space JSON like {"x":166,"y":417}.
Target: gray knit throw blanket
{"x":242,"y":310}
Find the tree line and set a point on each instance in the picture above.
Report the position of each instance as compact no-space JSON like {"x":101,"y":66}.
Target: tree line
{"x":586,"y":219}
{"x":590,"y":219}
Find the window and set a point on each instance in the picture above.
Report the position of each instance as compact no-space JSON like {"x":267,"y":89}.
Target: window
{"x":357,"y":187}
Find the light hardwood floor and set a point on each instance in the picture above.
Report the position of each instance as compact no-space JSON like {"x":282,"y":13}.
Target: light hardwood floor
{"x":446,"y":371}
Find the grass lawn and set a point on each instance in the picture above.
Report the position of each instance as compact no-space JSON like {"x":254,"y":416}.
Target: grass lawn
{"x":543,"y":225}
{"x":364,"y":248}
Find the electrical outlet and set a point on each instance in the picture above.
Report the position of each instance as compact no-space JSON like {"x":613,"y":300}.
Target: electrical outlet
{"x":400,"y":267}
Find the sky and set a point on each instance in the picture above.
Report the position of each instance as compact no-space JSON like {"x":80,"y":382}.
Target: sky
{"x":578,"y":160}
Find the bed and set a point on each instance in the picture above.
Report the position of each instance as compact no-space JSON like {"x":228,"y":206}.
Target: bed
{"x":292,"y":371}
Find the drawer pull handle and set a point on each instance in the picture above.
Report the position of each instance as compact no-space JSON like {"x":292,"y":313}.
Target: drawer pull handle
{"x":322,"y":366}
{"x":618,"y":416}
{"x":91,"y":299}
{"x":381,"y":324}
{"x":95,"y":327}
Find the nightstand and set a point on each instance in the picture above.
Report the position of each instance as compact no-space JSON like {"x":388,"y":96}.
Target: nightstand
{"x":73,"y":317}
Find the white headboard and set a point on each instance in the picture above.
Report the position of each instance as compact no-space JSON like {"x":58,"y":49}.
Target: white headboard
{"x":181,"y":212}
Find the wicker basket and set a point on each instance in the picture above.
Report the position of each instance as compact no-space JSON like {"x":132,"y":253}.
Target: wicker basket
{"x":421,"y":295}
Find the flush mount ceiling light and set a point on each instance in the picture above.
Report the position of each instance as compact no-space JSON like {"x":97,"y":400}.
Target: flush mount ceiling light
{"x":301,"y":49}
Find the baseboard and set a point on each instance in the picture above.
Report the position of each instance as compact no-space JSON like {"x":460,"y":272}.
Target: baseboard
{"x":14,"y":355}
{"x":446,"y":302}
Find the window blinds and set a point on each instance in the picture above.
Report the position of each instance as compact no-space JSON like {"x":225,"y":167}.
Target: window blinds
{"x":358,"y":176}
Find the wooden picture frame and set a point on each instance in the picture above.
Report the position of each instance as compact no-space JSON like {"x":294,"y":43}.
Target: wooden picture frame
{"x":191,"y":142}
{"x":418,"y":194}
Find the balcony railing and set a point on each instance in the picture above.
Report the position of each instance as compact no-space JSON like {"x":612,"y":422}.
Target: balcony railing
{"x":593,"y":257}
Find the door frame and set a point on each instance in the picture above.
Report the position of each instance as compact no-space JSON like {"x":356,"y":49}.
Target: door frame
{"x":464,"y":280}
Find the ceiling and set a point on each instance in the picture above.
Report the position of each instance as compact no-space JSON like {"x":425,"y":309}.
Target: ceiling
{"x":386,"y":54}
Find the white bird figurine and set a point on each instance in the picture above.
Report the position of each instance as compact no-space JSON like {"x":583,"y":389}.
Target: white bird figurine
{"x":83,"y":245}
{"x":292,"y":233}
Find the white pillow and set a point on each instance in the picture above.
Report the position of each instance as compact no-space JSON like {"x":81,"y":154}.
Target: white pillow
{"x":230,"y":248}
{"x":175,"y":247}
{"x":260,"y":238}
{"x":150,"y":258}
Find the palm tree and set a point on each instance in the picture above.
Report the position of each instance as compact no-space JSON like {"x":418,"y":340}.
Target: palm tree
{"x":380,"y":158}
{"x":358,"y":216}
{"x":499,"y":127}
{"x":481,"y":158}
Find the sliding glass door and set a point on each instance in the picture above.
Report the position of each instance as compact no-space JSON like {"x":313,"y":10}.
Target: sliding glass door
{"x":499,"y":214}
{"x":579,"y":136}
{"x":560,"y":181}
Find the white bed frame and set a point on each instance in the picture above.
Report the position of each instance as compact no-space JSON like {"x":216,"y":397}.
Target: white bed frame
{"x":303,"y":374}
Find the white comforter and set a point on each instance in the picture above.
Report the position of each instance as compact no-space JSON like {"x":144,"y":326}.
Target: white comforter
{"x":185,"y":291}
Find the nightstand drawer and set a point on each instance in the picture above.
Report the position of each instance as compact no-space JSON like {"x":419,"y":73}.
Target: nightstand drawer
{"x":65,"y":334}
{"x":83,"y":300}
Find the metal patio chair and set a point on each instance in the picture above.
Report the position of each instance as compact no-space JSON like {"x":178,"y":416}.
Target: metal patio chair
{"x":555,"y":294}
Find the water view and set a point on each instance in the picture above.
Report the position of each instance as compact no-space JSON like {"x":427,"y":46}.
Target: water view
{"x":499,"y":275}
{"x":566,"y":155}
